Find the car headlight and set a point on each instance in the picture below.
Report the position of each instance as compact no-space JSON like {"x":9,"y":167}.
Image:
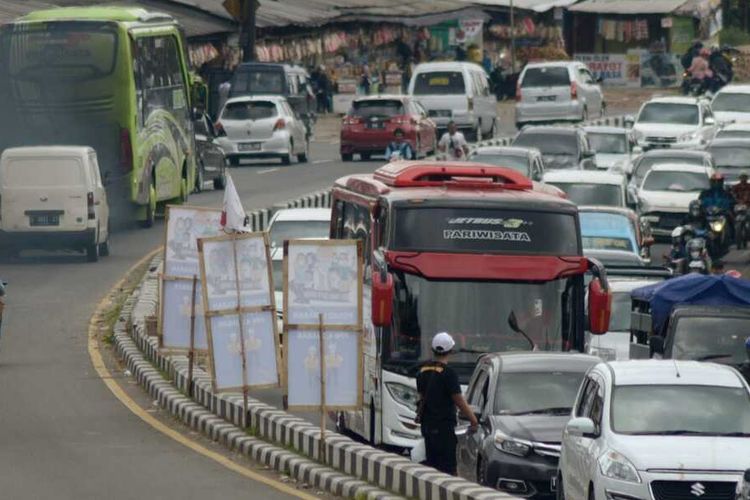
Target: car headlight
{"x":615,"y":466}
{"x":717,"y":226}
{"x":688,"y":137}
{"x":605,"y":353}
{"x":510,"y":445}
{"x":403,"y":394}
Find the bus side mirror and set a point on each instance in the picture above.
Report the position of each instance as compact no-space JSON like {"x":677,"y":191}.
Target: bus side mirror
{"x":600,"y":307}
{"x":382,"y":298}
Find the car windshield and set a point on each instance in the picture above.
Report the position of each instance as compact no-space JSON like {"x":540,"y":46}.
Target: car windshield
{"x":379,"y":108}
{"x":732,"y":102}
{"x":606,"y":231}
{"x":730,"y":156}
{"x":255,"y":110}
{"x":282,"y":230}
{"x":520,"y":393}
{"x":646,"y":163}
{"x":592,"y":194}
{"x":439,"y":82}
{"x":549,"y":143}
{"x":476,"y":314}
{"x":608,"y":143}
{"x":720,"y":338}
{"x":518,"y":163}
{"x":733,"y":134}
{"x":650,"y":409}
{"x":682,"y":182}
{"x":546,"y":77}
{"x":258,"y":82}
{"x":672,"y":113}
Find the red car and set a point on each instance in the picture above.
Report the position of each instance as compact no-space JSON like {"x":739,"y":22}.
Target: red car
{"x":370,"y":125}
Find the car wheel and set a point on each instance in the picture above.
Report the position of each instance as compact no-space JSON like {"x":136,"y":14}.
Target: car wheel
{"x":365,"y":156}
{"x":287,"y":158}
{"x":104,"y":248}
{"x":603,"y":110}
{"x":220,"y":182}
{"x":478,"y":133}
{"x":560,"y":493}
{"x":92,"y":252}
{"x":418,"y":151}
{"x":433,"y":151}
{"x":199,"y":177}
{"x":302,"y":157}
{"x":347,"y":157}
{"x":150,"y":210}
{"x":592,"y":495}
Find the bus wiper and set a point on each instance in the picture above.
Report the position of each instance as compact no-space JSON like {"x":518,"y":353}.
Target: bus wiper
{"x":513,"y":323}
{"x":713,"y":356}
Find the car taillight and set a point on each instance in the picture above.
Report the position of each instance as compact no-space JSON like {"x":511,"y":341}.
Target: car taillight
{"x":126,"y":151}
{"x":470,"y":103}
{"x":518,"y":92}
{"x":351,"y":120}
{"x":573,"y":90}
{"x":90,"y":205}
{"x":280,"y":125}
{"x":220,"y":131}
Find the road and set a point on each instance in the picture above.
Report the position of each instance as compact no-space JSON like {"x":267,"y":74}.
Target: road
{"x":62,"y":433}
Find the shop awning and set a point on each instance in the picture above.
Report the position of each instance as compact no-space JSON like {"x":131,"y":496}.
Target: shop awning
{"x":627,"y":6}
{"x":535,"y":5}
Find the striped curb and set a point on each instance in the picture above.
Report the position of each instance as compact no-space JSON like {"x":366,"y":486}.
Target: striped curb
{"x":304,"y":470}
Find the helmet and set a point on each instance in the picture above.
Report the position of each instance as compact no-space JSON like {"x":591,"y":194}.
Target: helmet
{"x":442,"y":343}
{"x":717,"y":180}
{"x":695,"y":209}
{"x":677,"y":234}
{"x":695,"y":248}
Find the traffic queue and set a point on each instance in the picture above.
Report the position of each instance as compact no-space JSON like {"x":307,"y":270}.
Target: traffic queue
{"x":594,"y":420}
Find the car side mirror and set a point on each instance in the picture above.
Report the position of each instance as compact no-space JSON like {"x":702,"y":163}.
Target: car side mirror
{"x":709,"y":120}
{"x":656,"y":345}
{"x":581,"y":427}
{"x":382,"y":298}
{"x":637,"y":150}
{"x":628,"y":121}
{"x":632,"y":194}
{"x":599,"y":307}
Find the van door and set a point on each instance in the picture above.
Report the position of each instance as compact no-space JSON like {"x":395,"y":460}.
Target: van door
{"x":487,"y":103}
{"x":43,"y":193}
{"x":101,"y":204}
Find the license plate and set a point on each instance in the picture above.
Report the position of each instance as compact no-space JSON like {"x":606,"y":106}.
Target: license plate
{"x":44,"y":220}
{"x":249,"y":146}
{"x":376,"y":125}
{"x":546,"y":98}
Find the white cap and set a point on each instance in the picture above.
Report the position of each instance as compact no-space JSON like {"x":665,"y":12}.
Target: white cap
{"x":442,"y":343}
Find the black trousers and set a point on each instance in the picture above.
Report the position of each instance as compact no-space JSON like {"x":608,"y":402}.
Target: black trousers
{"x":440,"y":446}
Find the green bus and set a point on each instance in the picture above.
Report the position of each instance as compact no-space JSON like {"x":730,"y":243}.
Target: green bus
{"x":115,"y":79}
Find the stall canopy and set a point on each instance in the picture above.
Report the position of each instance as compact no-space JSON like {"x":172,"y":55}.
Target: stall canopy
{"x":627,"y":6}
{"x":534,"y":5}
{"x":692,"y":289}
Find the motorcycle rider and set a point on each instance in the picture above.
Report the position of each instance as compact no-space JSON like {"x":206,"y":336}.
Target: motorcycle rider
{"x":699,"y":69}
{"x":453,"y":143}
{"x":399,"y":147}
{"x":696,"y":217}
{"x":675,"y":259}
{"x":741,"y":190}
{"x":716,"y":195}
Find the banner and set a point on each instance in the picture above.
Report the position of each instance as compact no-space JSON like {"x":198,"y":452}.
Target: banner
{"x":614,"y":69}
{"x":240,"y":311}
{"x":184,"y":226}
{"x":323,"y":302}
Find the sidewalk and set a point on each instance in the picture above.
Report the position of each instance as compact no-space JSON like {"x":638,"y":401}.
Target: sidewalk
{"x":619,"y":101}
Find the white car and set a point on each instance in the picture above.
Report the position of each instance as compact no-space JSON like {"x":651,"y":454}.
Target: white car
{"x":658,"y":430}
{"x":255,"y":127}
{"x":293,"y":224}
{"x":615,"y":344}
{"x":53,"y":197}
{"x":666,"y":191}
{"x":732,"y":104}
{"x":675,"y":122}
{"x":614,"y":148}
{"x":734,"y":131}
{"x":590,"y":187}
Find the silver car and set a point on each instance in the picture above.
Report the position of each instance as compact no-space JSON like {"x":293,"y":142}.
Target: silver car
{"x":557,"y":91}
{"x":256,"y":127}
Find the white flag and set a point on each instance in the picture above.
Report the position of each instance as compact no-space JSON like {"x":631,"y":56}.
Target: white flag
{"x":233,"y":216}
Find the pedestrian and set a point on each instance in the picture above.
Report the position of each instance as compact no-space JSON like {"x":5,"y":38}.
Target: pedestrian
{"x":439,"y":396}
{"x":323,"y":89}
{"x":366,"y":80}
{"x":453,"y":143}
{"x":399,"y":148}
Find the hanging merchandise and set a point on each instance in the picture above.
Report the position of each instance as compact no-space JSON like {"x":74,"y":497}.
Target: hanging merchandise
{"x":641,"y":29}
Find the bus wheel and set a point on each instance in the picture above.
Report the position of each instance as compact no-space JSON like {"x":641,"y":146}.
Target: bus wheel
{"x":150,"y":210}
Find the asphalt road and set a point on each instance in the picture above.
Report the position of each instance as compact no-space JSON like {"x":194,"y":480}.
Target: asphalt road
{"x":62,"y":433}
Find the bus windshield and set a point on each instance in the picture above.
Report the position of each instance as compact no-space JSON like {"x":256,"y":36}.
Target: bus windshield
{"x":476,"y":314}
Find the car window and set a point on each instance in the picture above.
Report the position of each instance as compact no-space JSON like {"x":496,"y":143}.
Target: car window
{"x":597,"y":407}
{"x":255,"y":110}
{"x":675,"y":181}
{"x":385,"y":108}
{"x":585,"y":398}
{"x":478,"y":393}
{"x":440,"y":83}
{"x":584,"y":76}
{"x":546,"y":76}
{"x":667,"y":112}
{"x":730,"y":101}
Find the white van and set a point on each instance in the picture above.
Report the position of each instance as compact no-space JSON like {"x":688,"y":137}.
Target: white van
{"x":52,"y":197}
{"x":458,"y":91}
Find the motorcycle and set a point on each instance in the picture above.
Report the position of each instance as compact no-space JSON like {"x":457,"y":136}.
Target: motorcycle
{"x":718,"y":235}
{"x":698,"y":256}
{"x":740,"y":225}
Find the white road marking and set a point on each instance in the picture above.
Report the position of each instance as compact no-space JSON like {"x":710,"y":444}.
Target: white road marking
{"x":267,"y":170}
{"x":318,"y":162}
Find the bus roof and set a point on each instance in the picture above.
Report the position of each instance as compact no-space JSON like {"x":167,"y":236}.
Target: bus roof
{"x":456,"y":181}
{"x":97,"y":13}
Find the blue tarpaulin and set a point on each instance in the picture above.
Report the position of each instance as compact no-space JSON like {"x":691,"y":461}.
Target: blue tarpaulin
{"x":692,"y":289}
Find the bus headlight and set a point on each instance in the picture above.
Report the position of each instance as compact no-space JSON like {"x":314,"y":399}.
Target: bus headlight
{"x":403,"y":394}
